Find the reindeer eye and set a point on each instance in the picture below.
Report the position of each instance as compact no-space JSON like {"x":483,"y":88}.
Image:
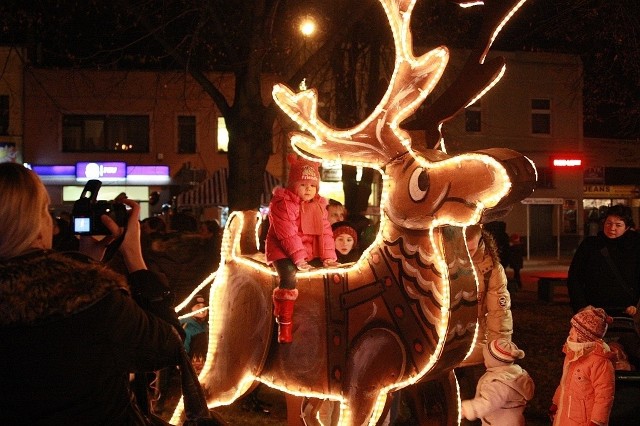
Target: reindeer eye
{"x":418,"y":184}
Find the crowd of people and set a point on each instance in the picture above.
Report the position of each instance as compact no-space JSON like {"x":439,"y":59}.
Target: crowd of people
{"x":77,"y":329}
{"x":68,"y":313}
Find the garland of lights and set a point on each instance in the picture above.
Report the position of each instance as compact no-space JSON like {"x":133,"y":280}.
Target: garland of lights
{"x":411,"y":246}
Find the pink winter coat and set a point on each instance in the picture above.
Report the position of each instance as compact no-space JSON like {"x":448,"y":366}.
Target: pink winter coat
{"x":586,"y":390}
{"x":285,"y":238}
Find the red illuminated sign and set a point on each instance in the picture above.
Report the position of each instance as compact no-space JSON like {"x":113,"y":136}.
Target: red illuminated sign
{"x":567,"y":162}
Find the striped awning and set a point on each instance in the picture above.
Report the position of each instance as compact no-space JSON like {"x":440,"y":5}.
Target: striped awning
{"x":214,"y":192}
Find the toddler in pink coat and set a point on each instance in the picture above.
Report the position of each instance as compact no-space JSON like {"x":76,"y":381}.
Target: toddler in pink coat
{"x":298,"y":238}
{"x":585,"y":394}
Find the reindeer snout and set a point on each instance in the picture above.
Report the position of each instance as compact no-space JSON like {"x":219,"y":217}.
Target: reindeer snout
{"x":521,"y":171}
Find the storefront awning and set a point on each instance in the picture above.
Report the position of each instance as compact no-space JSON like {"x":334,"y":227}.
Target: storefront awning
{"x":213,"y":191}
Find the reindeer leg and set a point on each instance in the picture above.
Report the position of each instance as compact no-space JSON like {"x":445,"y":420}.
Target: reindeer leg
{"x":376,"y":360}
{"x":241,"y":327}
{"x":433,"y":403}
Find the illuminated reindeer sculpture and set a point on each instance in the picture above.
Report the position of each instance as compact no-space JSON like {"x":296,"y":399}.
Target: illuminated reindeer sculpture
{"x":407,"y":310}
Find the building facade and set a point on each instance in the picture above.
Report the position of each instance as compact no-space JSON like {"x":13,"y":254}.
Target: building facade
{"x":11,"y":103}
{"x":166,"y":126}
{"x":535,"y":109}
{"x":138,"y":132}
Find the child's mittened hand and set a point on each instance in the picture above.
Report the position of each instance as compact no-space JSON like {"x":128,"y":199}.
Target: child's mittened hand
{"x":303,"y":266}
{"x":467,"y":410}
{"x":329,"y":263}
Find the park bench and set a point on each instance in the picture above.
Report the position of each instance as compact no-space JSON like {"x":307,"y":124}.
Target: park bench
{"x":548,"y":283}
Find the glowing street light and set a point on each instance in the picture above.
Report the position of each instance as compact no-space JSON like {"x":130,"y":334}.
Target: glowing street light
{"x":307,"y":26}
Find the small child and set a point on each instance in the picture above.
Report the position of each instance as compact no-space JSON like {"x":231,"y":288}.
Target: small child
{"x":584,"y":396}
{"x":503,"y":391}
{"x":337,"y":211}
{"x":346,"y":240}
{"x":298,"y":238}
{"x":197,"y":323}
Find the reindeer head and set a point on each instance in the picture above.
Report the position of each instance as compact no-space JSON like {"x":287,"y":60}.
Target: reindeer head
{"x":424,"y":187}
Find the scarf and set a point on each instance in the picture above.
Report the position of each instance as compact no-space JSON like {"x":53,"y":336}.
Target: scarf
{"x":579,"y":349}
{"x":311,"y":218}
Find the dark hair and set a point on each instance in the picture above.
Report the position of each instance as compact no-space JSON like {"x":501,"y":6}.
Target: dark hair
{"x":623,"y":212}
{"x":184,"y":222}
{"x":155,"y":223}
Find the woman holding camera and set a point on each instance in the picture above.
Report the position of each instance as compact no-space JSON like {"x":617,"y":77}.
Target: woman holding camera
{"x":72,"y":329}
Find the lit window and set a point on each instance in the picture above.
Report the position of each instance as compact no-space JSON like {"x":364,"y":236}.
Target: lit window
{"x":186,"y":134}
{"x":223,"y":135}
{"x":105,"y":133}
{"x":541,"y":116}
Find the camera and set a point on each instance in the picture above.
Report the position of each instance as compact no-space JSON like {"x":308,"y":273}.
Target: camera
{"x":87,"y":211}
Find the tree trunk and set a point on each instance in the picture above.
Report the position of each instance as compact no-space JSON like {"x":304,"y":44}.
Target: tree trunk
{"x":250,"y":146}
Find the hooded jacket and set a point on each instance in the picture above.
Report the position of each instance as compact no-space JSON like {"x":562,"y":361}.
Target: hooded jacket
{"x":494,"y":304}
{"x":72,"y":333}
{"x":501,"y":396}
{"x":285,"y":237}
{"x":587,"y":387}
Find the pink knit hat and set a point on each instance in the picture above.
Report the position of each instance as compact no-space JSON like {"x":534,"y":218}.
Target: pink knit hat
{"x":301,"y":169}
{"x":591,"y":323}
{"x":501,"y":351}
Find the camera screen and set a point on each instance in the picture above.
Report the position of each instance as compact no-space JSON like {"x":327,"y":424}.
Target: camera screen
{"x":81,"y":225}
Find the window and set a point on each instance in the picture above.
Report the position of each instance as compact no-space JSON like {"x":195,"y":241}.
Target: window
{"x":4,"y":115}
{"x":541,"y":116}
{"x":473,"y":117}
{"x":186,"y":134}
{"x":545,"y":178}
{"x":105,"y":133}
{"x":223,"y":135}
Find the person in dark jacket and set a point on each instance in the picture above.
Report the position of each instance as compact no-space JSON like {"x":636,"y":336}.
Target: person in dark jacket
{"x":72,"y":329}
{"x":605,"y":270}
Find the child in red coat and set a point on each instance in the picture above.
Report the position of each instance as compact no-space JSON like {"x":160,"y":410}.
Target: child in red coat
{"x":585,"y":394}
{"x":299,"y":237}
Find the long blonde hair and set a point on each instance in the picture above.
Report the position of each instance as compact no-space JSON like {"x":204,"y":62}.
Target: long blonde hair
{"x":23,"y":203}
{"x":486,"y":239}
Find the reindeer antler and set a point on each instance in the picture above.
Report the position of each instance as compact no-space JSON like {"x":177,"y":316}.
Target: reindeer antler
{"x":476,"y":76}
{"x":378,"y":138}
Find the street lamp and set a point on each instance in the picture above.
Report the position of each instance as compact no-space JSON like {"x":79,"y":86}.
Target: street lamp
{"x":307,"y":26}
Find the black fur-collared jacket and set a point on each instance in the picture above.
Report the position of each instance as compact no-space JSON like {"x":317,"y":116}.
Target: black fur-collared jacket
{"x":71,"y":332}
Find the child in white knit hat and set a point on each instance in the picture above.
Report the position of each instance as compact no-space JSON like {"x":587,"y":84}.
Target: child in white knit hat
{"x":588,"y":375}
{"x":503,"y":391}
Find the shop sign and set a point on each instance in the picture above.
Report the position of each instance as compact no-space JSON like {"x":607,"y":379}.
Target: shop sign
{"x":594,"y":175}
{"x":331,"y":175}
{"x":542,"y":201}
{"x":610,"y":191}
{"x":108,"y":170}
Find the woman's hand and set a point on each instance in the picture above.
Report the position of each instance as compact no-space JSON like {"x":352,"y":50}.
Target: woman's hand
{"x":130,"y":248}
